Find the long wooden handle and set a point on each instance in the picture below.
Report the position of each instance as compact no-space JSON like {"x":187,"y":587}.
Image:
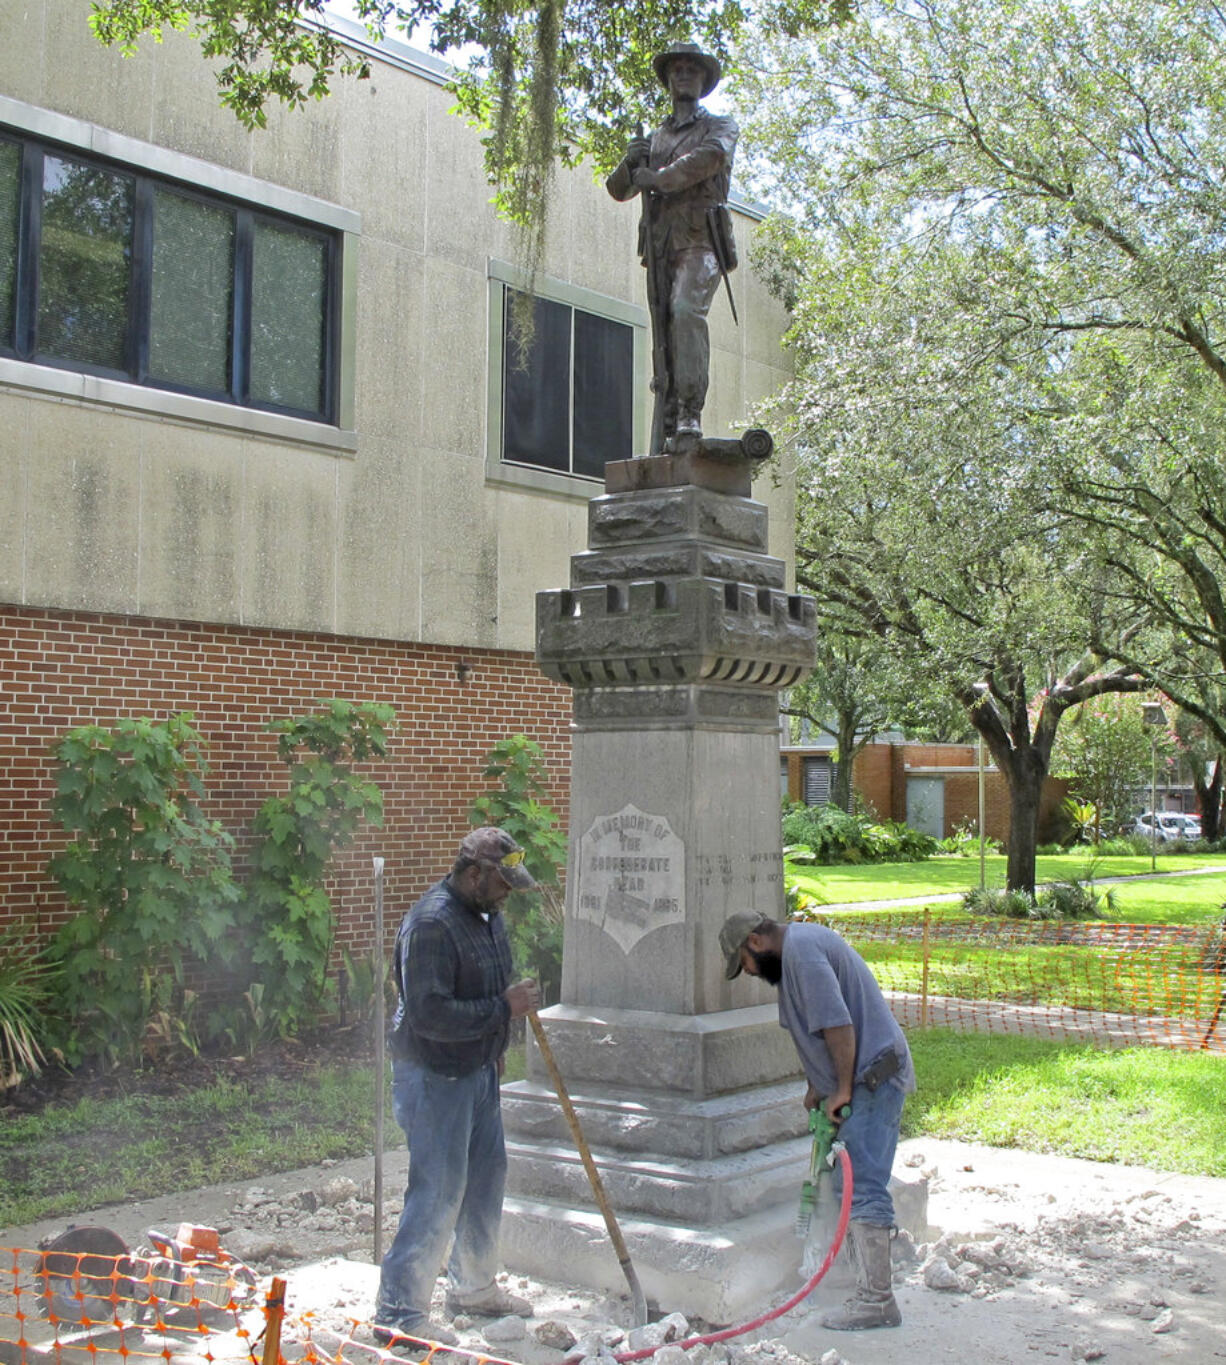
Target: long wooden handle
{"x":593,"y":1175}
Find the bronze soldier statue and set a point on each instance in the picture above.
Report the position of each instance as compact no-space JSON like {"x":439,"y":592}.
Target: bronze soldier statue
{"x":685,"y":237}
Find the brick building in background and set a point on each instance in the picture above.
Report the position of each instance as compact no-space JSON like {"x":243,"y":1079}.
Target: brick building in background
{"x":932,"y":787}
{"x":262,"y":439}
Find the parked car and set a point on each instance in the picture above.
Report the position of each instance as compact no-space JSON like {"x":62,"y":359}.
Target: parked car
{"x":1171,"y":826}
{"x":1191,"y":828}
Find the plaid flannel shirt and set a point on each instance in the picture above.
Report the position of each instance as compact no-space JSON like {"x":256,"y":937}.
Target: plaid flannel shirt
{"x":451,"y":969}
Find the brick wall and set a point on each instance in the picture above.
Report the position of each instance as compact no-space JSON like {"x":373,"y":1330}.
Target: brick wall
{"x":62,"y":669}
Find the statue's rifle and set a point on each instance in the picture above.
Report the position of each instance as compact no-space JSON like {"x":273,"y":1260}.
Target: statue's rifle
{"x":720,"y":247}
{"x":657,"y":305}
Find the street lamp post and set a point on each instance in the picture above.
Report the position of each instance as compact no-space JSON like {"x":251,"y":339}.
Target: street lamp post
{"x":980,"y":690}
{"x":1154,"y":716}
{"x":982,"y":874}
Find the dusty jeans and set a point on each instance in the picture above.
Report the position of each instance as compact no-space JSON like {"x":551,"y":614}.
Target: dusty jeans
{"x":870,"y":1133}
{"x":457,"y":1171}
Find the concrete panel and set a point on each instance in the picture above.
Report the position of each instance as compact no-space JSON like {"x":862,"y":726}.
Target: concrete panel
{"x":21,"y":64}
{"x":454,"y":360}
{"x":191,"y":495}
{"x":761,"y":382}
{"x":287,"y":569}
{"x":301,"y":148}
{"x":726,"y":412}
{"x":593,"y":239}
{"x":14,"y":473}
{"x":383,"y":167}
{"x":104,"y":87}
{"x":84,"y":492}
{"x":379,"y":557}
{"x":763,"y":318}
{"x":187,"y":112}
{"x":461,"y":225}
{"x":392,"y":327}
{"x":532,"y":555}
{"x":459,"y":553}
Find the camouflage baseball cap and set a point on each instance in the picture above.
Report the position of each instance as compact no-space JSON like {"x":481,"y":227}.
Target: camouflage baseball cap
{"x":489,"y":844}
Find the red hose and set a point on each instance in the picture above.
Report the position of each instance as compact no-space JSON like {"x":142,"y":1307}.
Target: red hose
{"x":806,"y":1289}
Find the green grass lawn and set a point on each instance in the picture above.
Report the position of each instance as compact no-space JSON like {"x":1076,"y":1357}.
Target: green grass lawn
{"x":1142,"y":1105}
{"x":1139,"y":1106}
{"x":1176,"y":900}
{"x":853,"y":884}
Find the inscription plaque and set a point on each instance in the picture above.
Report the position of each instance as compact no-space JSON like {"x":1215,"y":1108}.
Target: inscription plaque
{"x":631,"y":875}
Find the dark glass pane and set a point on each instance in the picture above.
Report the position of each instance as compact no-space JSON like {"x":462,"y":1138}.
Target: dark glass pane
{"x":604,"y":390}
{"x":10,"y":202}
{"x":192,"y":286}
{"x":289,"y":296}
{"x":536,"y":386}
{"x":84,"y":263}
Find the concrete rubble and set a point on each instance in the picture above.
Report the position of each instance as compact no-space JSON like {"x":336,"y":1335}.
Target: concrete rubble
{"x":1029,"y":1257}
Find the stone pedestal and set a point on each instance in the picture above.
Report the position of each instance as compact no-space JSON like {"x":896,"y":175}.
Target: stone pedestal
{"x":675,"y":633}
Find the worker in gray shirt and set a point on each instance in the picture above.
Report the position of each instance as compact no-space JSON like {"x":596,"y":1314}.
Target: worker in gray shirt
{"x":853,"y":1053}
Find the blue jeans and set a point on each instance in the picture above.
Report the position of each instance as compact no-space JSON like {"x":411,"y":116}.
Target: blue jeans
{"x":457,"y":1172}
{"x":870,"y":1134}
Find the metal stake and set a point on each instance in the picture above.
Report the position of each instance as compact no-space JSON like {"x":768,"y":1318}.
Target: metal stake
{"x":377,"y":970}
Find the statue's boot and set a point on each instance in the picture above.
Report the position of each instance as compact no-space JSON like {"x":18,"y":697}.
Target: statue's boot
{"x":873,"y":1304}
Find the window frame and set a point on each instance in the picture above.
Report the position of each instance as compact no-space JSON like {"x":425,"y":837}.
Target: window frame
{"x":251,"y":201}
{"x":500,"y":275}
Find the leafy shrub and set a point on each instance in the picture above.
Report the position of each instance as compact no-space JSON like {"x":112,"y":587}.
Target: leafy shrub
{"x":1071,"y":899}
{"x":833,"y":836}
{"x":1124,"y":846}
{"x":287,"y":916}
{"x":964,"y":842}
{"x":534,"y":918}
{"x":148,"y":873}
{"x":1048,"y":850}
{"x":1000,"y":903}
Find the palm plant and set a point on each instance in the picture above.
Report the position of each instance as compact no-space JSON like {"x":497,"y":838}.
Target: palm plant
{"x":25,"y":986}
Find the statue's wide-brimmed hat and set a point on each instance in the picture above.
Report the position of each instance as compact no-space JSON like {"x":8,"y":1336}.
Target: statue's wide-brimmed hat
{"x":704,"y":59}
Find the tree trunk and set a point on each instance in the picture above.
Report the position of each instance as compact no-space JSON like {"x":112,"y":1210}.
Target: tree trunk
{"x":1024,"y":772}
{"x":1023,"y":832}
{"x":1209,"y":800}
{"x":840,"y":785}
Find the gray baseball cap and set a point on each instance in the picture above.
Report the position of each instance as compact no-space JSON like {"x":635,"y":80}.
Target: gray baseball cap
{"x":737,"y":928}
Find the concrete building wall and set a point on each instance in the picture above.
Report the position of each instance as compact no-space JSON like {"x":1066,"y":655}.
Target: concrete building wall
{"x":389,"y":526}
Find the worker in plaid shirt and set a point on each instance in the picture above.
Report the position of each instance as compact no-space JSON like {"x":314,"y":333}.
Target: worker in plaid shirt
{"x":449,"y":1036}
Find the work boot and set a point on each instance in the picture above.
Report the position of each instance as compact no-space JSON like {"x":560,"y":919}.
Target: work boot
{"x":407,"y":1335}
{"x":493,"y":1302}
{"x":873,"y":1304}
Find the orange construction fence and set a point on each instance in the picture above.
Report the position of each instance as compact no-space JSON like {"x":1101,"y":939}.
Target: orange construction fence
{"x":82,"y":1307}
{"x":1115,"y":985}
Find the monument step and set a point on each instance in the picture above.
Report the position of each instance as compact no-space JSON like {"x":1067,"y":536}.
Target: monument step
{"x":698,"y":1193}
{"x":628,"y":1121}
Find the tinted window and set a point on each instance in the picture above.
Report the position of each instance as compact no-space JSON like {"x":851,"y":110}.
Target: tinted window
{"x":568,"y":382}
{"x":85,"y":263}
{"x":192,"y":303}
{"x":10,"y":204}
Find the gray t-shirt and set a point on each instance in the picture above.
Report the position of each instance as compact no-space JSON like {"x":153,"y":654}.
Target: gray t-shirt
{"x":825,"y":984}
